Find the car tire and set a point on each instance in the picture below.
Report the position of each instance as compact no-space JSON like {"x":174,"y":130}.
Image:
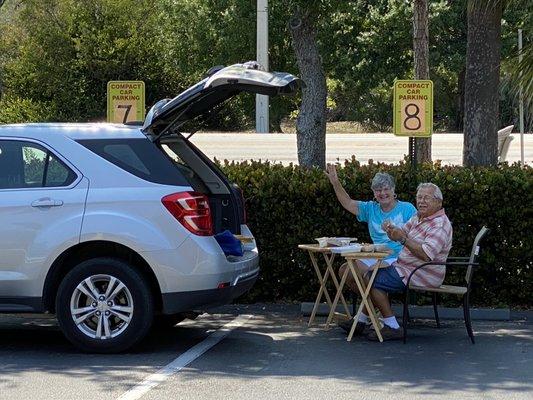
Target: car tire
{"x":104,"y":305}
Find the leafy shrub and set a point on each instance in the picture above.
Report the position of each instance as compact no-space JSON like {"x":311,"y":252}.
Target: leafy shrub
{"x":291,"y":205}
{"x":16,"y":110}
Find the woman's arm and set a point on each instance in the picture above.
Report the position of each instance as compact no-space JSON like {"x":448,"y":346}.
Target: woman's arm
{"x":343,"y":197}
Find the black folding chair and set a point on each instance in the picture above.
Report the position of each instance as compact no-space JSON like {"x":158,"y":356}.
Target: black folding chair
{"x":469,"y":263}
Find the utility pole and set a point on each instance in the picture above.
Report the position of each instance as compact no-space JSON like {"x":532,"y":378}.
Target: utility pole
{"x":261,"y":101}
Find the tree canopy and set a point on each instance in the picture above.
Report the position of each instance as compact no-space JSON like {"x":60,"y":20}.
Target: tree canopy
{"x":56,"y":56}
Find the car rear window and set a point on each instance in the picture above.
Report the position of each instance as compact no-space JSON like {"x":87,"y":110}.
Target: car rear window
{"x":139,"y":157}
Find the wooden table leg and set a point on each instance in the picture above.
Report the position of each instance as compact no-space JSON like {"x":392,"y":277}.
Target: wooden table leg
{"x":329,"y":263}
{"x":337,"y":296}
{"x":322,"y":290}
{"x":359,"y":281}
{"x":365,"y":300}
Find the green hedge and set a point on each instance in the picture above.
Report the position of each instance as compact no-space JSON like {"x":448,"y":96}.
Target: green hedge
{"x":291,"y":205}
{"x":14,"y":110}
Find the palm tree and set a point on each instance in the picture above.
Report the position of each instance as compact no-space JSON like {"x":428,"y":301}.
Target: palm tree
{"x":421,"y":61}
{"x":482,"y":79}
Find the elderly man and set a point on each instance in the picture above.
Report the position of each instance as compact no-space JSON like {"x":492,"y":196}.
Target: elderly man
{"x":427,"y":236}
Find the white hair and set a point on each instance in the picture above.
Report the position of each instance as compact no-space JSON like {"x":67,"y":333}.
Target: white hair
{"x":437,"y":193}
{"x":381,"y":180}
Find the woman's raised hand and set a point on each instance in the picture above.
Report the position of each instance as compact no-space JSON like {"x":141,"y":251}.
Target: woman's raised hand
{"x":331,"y":173}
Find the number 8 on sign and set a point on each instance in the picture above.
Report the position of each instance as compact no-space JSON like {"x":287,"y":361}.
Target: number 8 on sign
{"x":412,"y":122}
{"x":413,"y":116}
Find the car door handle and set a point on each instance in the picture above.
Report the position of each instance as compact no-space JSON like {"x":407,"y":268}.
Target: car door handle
{"x":47,"y":202}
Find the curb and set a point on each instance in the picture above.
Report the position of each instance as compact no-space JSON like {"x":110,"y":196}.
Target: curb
{"x":426,"y":312}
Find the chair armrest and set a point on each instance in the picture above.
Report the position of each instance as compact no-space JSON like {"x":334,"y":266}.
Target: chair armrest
{"x":446,"y":264}
{"x":457,"y":258}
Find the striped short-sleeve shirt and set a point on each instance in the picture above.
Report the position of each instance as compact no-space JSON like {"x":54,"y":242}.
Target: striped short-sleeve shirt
{"x":434,"y":233}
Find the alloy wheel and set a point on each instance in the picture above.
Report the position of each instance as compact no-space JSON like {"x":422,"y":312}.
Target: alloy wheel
{"x":101,"y":306}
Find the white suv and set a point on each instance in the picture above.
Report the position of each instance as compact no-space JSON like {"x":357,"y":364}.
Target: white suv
{"x":110,"y":225}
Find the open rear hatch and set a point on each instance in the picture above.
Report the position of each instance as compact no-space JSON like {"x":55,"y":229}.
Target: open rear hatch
{"x":163,"y":122}
{"x":222,"y":84}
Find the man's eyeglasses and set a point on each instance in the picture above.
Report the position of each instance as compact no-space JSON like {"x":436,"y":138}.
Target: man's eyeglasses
{"x":425,"y":198}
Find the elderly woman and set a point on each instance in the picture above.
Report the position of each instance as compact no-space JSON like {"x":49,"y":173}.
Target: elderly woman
{"x":383,"y":210}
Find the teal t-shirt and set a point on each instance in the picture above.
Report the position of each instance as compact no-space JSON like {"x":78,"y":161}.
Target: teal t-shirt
{"x":371,"y":213}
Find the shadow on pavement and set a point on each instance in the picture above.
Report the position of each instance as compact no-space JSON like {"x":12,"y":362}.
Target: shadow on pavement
{"x":433,"y":361}
{"x":276,"y":344}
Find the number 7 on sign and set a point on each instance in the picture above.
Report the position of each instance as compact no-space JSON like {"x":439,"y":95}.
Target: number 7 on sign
{"x":126,"y":113}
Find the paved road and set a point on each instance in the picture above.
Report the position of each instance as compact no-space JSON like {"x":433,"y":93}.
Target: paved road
{"x":377,"y":146}
{"x":272,"y":356}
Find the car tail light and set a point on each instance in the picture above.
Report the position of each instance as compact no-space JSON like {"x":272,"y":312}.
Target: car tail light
{"x":191,"y":210}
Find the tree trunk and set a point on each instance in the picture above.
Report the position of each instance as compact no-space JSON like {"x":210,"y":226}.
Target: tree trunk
{"x":460,"y":117}
{"x":482,"y":83}
{"x":311,"y":122}
{"x":421,"y":55}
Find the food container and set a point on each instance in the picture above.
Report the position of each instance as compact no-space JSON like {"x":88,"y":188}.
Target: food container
{"x":351,"y":248}
{"x":322,"y":242}
{"x":368,"y":248}
{"x":382,"y":248}
{"x":334,"y":241}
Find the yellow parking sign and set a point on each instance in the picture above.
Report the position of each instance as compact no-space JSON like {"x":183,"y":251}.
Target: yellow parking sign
{"x":413,"y":108}
{"x":125,"y":101}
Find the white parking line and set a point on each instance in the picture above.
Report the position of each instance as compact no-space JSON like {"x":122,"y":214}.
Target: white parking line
{"x":183,"y":360}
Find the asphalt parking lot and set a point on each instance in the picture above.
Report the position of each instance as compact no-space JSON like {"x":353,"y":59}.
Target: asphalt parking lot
{"x":267,"y":352}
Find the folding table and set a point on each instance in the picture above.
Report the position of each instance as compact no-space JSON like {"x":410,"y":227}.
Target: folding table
{"x":364,"y":289}
{"x":314,"y":250}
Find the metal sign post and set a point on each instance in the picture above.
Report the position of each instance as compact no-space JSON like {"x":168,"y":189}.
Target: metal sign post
{"x":412,"y":151}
